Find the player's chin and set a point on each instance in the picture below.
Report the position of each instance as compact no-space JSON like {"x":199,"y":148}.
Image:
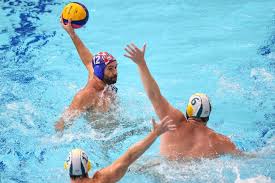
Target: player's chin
{"x":110,"y":81}
{"x":114,"y":81}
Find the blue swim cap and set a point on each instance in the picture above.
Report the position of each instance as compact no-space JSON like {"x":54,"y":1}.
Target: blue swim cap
{"x":100,"y":61}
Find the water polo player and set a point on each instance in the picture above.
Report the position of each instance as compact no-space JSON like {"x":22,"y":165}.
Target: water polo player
{"x":79,"y":165}
{"x":99,"y":92}
{"x":193,"y":138}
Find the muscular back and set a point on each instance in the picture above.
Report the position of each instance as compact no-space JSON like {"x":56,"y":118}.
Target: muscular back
{"x":193,"y":140}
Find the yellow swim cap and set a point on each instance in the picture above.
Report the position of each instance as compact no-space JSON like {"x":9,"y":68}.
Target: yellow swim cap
{"x":77,"y":163}
{"x":199,"y":106}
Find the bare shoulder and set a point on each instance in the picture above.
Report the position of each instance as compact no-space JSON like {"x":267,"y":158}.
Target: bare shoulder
{"x":102,"y":176}
{"x":217,"y":138}
{"x":85,"y":92}
{"x":83,"y":99}
{"x":172,"y":112}
{"x":98,"y":177}
{"x":222,"y":143}
{"x":177,"y":114}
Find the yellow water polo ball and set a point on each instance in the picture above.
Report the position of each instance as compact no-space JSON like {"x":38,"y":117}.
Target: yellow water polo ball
{"x":77,"y":12}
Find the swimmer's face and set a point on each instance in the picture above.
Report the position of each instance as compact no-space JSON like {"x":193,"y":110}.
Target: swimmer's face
{"x":110,"y":73}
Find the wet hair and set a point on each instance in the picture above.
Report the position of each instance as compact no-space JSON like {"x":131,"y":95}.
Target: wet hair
{"x":74,"y":177}
{"x":204,"y":119}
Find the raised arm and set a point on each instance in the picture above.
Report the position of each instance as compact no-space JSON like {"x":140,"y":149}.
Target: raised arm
{"x":85,"y":55}
{"x":116,"y":171}
{"x":161,"y":105}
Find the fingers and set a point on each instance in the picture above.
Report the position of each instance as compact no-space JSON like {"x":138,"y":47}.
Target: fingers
{"x":62,"y":22}
{"x":131,"y":48}
{"x":128,"y":50}
{"x":70,"y":22}
{"x":167,"y":123}
{"x":164,"y":120}
{"x":172,"y":127}
{"x":65,"y":25}
{"x":135,"y":47}
{"x":134,"y":53}
{"x":153,"y":121}
{"x":144,"y":48}
{"x":128,"y":56}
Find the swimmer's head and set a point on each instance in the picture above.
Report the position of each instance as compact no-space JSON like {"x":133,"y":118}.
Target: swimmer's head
{"x":78,"y":164}
{"x":199,"y":107}
{"x":105,"y":67}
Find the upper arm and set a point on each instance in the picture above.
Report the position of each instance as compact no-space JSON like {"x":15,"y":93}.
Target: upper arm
{"x":112,"y":173}
{"x":79,"y":101}
{"x":85,"y":55}
{"x":72,"y":112}
{"x":163,"y":108}
{"x":90,"y":69}
{"x":224,"y":145}
{"x":78,"y":105}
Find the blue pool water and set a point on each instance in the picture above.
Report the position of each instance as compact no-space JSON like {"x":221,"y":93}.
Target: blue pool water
{"x":223,"y":48}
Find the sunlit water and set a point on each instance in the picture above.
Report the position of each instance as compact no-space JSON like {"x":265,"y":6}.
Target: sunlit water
{"x":223,"y":48}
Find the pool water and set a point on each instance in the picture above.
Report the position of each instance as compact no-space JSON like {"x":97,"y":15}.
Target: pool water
{"x":223,"y":48}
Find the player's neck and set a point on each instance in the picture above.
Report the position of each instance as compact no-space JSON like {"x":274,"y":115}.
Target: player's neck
{"x":197,"y":122}
{"x":81,"y":180}
{"x":97,"y":84}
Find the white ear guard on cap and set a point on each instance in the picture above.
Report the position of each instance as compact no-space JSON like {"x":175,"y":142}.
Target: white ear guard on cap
{"x":77,"y":163}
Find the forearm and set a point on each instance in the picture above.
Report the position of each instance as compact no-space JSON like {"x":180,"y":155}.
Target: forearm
{"x":150,"y":85}
{"x":139,"y":148}
{"x":117,"y":170}
{"x":84,"y":53}
{"x":66,"y":119}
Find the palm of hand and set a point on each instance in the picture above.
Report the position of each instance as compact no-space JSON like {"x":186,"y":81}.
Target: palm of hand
{"x":135,"y":54}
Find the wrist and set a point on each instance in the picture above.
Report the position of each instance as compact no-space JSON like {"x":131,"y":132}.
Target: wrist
{"x":142,"y":64}
{"x":72,"y":34}
{"x":155,"y":133}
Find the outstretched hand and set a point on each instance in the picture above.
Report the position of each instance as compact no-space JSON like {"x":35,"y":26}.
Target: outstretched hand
{"x":135,"y":54}
{"x":68,"y":27}
{"x":166,"y":124}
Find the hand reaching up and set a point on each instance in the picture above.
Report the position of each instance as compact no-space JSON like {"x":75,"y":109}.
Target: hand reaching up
{"x":135,"y":54}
